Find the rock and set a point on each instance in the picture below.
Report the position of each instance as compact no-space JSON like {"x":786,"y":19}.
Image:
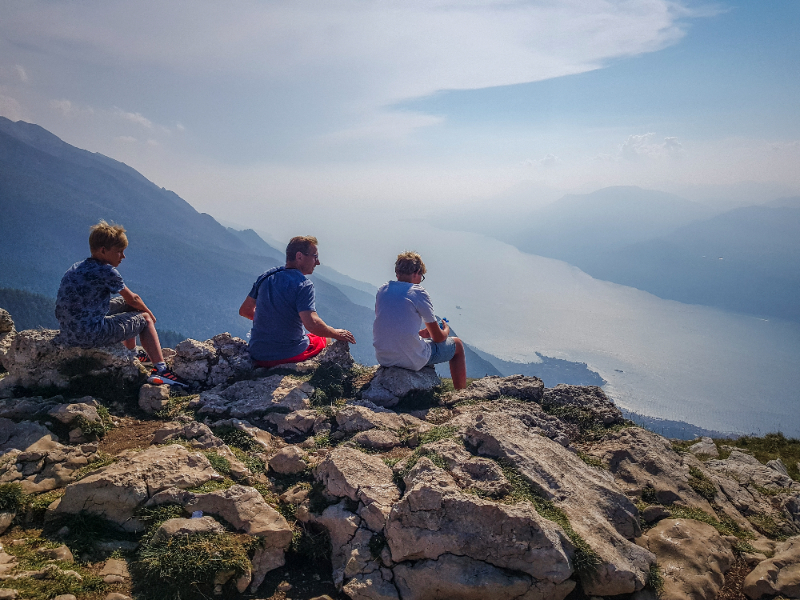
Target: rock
{"x":256,"y":397}
{"x":336,"y":352}
{"x":778,"y":465}
{"x":6,"y":518}
{"x":585,"y":397}
{"x":746,"y":470}
{"x":779,"y":575}
{"x":8,"y":594}
{"x":8,"y":562}
{"x":704,"y":448}
{"x":7,"y":333}
{"x":117,"y":596}
{"x":370,"y":586}
{"x":175,"y":527}
{"x":597,"y":509}
{"x":116,"y":567}
{"x":361,"y":477}
{"x":212,"y":362}
{"x":28,"y":409}
{"x":65,"y":597}
{"x":529,"y":389}
{"x":62,"y":553}
{"x":377,"y":439}
{"x":264,"y":561}
{"x":36,"y":359}
{"x":259,"y":436}
{"x":468,"y":579}
{"x":245,"y":509}
{"x":471,"y":473}
{"x":115,"y":492}
{"x":288,"y":460}
{"x":640,"y":459}
{"x":298,"y":422}
{"x":25,"y":435}
{"x":199,"y":434}
{"x":354,"y":419}
{"x":692,"y":556}
{"x":67,"y":413}
{"x":435,"y":519}
{"x":284,"y":586}
{"x":390,"y":384}
{"x":654,"y":513}
{"x":530,"y":414}
{"x":153,"y":398}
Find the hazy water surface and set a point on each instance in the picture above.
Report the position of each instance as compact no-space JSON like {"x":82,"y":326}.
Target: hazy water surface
{"x":661,"y":358}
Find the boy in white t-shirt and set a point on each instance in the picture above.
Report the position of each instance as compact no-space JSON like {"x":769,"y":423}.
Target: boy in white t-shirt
{"x":406,"y":333}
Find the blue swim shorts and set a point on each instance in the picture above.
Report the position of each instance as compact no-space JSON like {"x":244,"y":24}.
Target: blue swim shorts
{"x":442,"y":352}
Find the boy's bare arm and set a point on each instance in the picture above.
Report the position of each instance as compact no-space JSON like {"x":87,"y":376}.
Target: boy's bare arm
{"x":135,"y":302}
{"x":248,"y":308}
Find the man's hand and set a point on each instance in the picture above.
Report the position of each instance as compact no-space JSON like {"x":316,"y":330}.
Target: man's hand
{"x":345,"y":336}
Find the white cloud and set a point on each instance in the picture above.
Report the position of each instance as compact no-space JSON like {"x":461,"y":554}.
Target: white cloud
{"x":639,"y":146}
{"x":152,"y":142}
{"x":126,"y":139}
{"x":23,"y":76}
{"x":10,"y":108}
{"x":136,"y":117}
{"x":549,"y":160}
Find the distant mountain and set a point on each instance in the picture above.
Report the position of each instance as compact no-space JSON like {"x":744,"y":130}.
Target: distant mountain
{"x":746,"y":260}
{"x":577,"y":226}
{"x":29,"y":310}
{"x":192,"y":272}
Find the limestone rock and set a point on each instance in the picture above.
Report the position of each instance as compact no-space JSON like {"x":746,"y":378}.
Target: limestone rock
{"x":264,"y":561}
{"x":597,"y":509}
{"x":288,"y":460}
{"x":371,"y":586}
{"x":361,"y":477}
{"x":471,"y":473}
{"x":390,"y":384}
{"x":259,"y":436}
{"x":180,"y":527}
{"x":640,"y":459}
{"x":299,"y":422}
{"x":153,"y":398}
{"x":45,"y":465}
{"x":256,"y":397}
{"x":377,"y":439}
{"x":779,"y":575}
{"x":212,"y":362}
{"x":705,"y":447}
{"x":115,"y":492}
{"x":693,"y":558}
{"x":67,"y":413}
{"x":336,"y":352}
{"x":342,"y":526}
{"x":435,"y":519}
{"x":25,"y":435}
{"x":529,"y":389}
{"x":28,"y":409}
{"x":62,"y":553}
{"x":354,"y":419}
{"x":746,"y":470}
{"x":585,"y":397}
{"x":7,"y":333}
{"x":36,"y":359}
{"x":530,"y":414}
{"x":6,"y":518}
{"x":245,"y":509}
{"x":778,"y":465}
{"x":199,"y":434}
{"x":468,"y":579}
{"x":117,"y":567}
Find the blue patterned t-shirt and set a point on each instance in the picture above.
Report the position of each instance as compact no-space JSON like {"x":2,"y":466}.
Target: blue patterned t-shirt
{"x":83,"y":299}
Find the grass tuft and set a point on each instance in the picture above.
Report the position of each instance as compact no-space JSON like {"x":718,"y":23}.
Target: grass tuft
{"x":11,"y":497}
{"x":236,"y":438}
{"x":219,"y":463}
{"x":701,"y":484}
{"x":655,"y":579}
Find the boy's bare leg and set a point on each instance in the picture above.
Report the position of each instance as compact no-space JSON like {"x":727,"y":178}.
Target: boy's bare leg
{"x":458,"y":366}
{"x":130,"y":344}
{"x":150,"y":342}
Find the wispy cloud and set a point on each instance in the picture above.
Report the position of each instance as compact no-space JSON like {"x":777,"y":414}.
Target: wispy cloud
{"x":23,"y":75}
{"x":133,"y":117}
{"x":644,"y":146}
{"x":126,"y":139}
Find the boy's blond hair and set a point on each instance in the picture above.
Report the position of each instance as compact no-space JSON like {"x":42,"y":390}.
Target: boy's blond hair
{"x":408,"y":263}
{"x":300,"y":243}
{"x":107,"y":236}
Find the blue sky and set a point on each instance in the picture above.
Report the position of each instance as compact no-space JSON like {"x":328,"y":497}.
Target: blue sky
{"x":254,"y":105}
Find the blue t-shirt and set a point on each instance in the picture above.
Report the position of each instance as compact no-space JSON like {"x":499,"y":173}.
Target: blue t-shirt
{"x":83,"y":299}
{"x":280,"y":295}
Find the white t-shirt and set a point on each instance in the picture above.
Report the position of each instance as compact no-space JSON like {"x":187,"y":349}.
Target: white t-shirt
{"x":401,"y":310}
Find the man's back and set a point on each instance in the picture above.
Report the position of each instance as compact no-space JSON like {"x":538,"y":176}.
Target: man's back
{"x":280,"y":295}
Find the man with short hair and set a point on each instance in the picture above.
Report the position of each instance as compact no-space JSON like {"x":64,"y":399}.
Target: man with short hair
{"x":401,"y":307}
{"x":281,"y":303}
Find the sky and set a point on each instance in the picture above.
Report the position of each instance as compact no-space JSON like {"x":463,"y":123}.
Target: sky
{"x":259,"y":111}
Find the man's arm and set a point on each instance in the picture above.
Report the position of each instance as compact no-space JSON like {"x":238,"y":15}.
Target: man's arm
{"x":135,"y":302}
{"x":248,"y":308}
{"x":436,"y":333}
{"x":313,"y":323}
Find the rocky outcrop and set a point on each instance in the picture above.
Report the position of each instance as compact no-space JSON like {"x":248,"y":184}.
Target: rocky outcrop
{"x":45,"y":465}
{"x":391,"y":384}
{"x":7,"y":333}
{"x":255,"y":397}
{"x":692,"y":557}
{"x":36,"y":359}
{"x":213,"y":362}
{"x":705,"y":448}
{"x":116,"y":491}
{"x":588,"y":398}
{"x":777,"y":576}
{"x":597,"y":508}
{"x":528,"y":389}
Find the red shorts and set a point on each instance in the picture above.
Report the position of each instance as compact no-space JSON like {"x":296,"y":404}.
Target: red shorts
{"x":316,"y":345}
